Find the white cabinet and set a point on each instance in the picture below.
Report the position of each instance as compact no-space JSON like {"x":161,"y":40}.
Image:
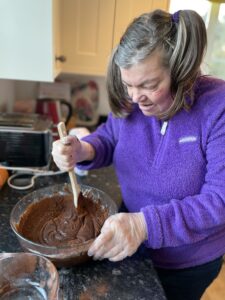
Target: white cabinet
{"x":33,"y":33}
{"x":29,"y":39}
{"x":87,"y":30}
{"x":91,"y":28}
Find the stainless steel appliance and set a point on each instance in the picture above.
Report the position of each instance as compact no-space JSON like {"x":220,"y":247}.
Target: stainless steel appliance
{"x":25,"y":140}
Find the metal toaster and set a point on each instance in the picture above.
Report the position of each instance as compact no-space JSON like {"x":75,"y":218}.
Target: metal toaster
{"x":25,"y":140}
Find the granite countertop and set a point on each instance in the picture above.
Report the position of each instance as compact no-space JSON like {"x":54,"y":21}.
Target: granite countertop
{"x":132,"y":278}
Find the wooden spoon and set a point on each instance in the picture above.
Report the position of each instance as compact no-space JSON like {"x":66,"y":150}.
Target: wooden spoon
{"x":75,"y":187}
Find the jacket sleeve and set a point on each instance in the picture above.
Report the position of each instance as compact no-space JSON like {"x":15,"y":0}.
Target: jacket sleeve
{"x":103,"y":140}
{"x":195,"y":217}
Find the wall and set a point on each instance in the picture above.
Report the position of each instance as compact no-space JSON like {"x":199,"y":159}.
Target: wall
{"x":27,"y":90}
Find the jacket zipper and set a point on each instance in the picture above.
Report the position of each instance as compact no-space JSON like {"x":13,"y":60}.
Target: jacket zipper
{"x":158,"y":155}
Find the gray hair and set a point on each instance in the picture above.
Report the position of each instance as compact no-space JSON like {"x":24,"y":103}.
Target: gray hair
{"x":182,"y":43}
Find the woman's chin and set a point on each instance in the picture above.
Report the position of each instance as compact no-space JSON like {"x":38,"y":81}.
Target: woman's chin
{"x":148,"y":111}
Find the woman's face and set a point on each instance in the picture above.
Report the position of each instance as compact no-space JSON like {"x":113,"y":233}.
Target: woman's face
{"x":148,"y":85}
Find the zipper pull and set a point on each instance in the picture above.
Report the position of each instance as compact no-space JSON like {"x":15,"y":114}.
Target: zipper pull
{"x":164,"y":127}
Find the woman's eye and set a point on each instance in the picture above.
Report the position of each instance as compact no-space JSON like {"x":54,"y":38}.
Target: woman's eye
{"x":152,"y":88}
{"x":128,"y":88}
{"x":125,"y":86}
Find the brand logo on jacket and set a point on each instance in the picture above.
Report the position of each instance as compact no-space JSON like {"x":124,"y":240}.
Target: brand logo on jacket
{"x":187,"y":139}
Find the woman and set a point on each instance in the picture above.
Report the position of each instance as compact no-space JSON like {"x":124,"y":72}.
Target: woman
{"x":166,"y":139}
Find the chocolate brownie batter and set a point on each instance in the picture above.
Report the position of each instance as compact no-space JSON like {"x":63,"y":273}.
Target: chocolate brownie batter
{"x":54,"y":221}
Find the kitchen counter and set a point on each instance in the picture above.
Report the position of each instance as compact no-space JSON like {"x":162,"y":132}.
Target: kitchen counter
{"x":132,"y":278}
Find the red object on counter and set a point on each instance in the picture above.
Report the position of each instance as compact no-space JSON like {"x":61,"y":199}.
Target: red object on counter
{"x":52,"y":108}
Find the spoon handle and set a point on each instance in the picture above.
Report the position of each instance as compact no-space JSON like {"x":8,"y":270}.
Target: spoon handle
{"x":73,"y":180}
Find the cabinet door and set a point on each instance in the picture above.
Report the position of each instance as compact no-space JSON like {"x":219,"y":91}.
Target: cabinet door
{"x":27,"y":39}
{"x":57,"y":56}
{"x":127,"y":10}
{"x":87,"y":30}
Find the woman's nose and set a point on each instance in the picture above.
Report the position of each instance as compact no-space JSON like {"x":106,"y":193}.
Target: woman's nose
{"x":135,"y":95}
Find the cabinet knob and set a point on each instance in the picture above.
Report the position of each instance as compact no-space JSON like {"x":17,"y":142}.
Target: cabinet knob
{"x":60,"y":58}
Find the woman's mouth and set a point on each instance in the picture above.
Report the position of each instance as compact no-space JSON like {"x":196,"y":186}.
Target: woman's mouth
{"x":146,"y":106}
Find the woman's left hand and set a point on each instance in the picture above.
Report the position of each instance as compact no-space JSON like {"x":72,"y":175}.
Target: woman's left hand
{"x":120,"y":237}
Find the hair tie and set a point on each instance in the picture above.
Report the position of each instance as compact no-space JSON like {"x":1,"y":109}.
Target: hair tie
{"x":175,"y":17}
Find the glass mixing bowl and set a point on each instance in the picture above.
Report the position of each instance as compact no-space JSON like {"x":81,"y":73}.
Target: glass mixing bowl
{"x":27,"y":276}
{"x":62,"y":256}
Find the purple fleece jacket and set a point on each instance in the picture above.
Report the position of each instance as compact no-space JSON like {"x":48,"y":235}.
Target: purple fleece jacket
{"x":177,"y":179}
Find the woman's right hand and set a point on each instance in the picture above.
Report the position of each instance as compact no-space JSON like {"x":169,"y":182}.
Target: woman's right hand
{"x":67,"y":152}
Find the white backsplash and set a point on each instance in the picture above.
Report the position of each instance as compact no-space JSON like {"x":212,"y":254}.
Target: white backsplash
{"x":27,"y":90}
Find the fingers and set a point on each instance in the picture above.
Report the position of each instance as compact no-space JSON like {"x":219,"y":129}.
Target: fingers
{"x":107,"y":251}
{"x":101,"y":245}
{"x":64,"y":146}
{"x":63,"y":153}
{"x":120,"y":237}
{"x":115,"y":251}
{"x":109,"y":244}
{"x":67,"y":140}
{"x":119,"y":256}
{"x":64,"y":166}
{"x":64,"y":161}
